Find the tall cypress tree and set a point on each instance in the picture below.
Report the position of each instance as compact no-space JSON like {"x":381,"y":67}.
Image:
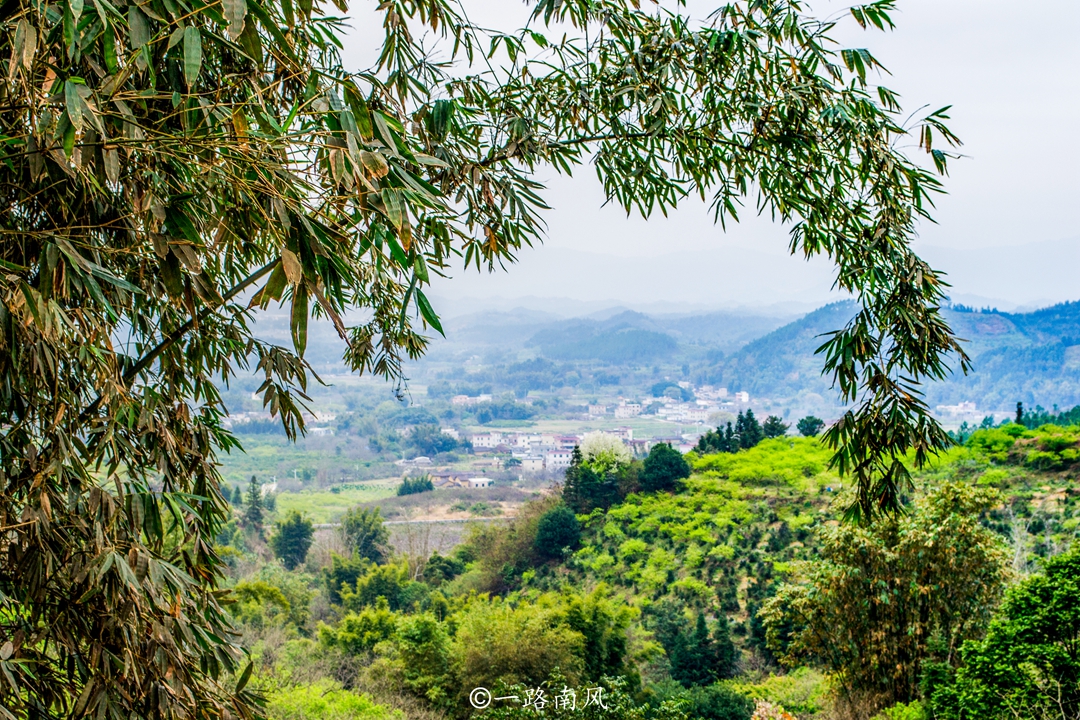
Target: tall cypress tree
{"x":253,"y":506}
{"x":749,"y":430}
{"x":584,"y":488}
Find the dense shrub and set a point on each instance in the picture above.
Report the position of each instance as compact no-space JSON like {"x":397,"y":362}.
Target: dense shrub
{"x":415,"y":486}
{"x":364,"y":534}
{"x":557,"y":530}
{"x":291,"y":540}
{"x":663,"y":468}
{"x":886,"y":600}
{"x":1028,"y":665}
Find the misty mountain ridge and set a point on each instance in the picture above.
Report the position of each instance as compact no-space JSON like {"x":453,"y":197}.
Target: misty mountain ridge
{"x":1029,"y":357}
{"x":1033,"y":357}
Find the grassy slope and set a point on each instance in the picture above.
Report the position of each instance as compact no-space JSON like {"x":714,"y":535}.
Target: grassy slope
{"x":326,"y":506}
{"x":742,"y":520}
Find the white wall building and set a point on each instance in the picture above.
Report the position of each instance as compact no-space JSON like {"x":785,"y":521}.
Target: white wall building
{"x":532,"y":463}
{"x":558,"y":459}
{"x":488,"y":441}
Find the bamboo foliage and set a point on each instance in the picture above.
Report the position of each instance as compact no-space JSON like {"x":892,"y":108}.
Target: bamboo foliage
{"x":172,"y":166}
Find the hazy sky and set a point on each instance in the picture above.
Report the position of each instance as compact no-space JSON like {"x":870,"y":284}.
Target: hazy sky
{"x":1005,"y":235}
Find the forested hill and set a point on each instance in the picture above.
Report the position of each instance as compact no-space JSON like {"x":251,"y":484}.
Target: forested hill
{"x":1030,"y":357}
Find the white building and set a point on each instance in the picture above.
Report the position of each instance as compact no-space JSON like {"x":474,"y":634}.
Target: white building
{"x":479,"y":482}
{"x":696,"y":414}
{"x":451,"y":432}
{"x":567,"y":442}
{"x":962,"y":408}
{"x":558,"y":459}
{"x":628,"y":410}
{"x":488,"y":441}
{"x":532,"y":463}
{"x":467,"y":400}
{"x":598,"y":409}
{"x":742,"y":397}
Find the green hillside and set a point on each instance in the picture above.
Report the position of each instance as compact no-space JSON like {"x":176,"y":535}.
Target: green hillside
{"x":699,"y":598}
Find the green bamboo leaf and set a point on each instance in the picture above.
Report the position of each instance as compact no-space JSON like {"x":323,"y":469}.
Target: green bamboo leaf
{"x":275,"y":285}
{"x":192,"y":54}
{"x":428,"y":312}
{"x":421,"y":269}
{"x":299,"y":320}
{"x":69,"y":139}
{"x":17,"y":47}
{"x":177,"y":37}
{"x":73,"y":104}
{"x":172,"y":276}
{"x":244,"y":677}
{"x":68,"y":22}
{"x":395,"y":207}
{"x":138,"y":27}
{"x":108,"y":41}
{"x":251,"y":41}
{"x":76,"y":10}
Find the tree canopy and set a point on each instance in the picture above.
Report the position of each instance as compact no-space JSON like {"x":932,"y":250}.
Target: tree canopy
{"x":886,"y":601}
{"x":172,"y":167}
{"x":1027,"y":665}
{"x":292,"y":539}
{"x":663,"y":468}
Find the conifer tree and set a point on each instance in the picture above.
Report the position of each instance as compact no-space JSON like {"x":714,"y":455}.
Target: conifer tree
{"x":663,"y":468}
{"x":810,"y":426}
{"x":748,"y":430}
{"x":774,"y":427}
{"x":253,"y":506}
{"x":292,"y":539}
{"x":585,"y":489}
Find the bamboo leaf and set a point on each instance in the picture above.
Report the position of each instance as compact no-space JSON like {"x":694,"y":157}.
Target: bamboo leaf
{"x":73,"y":104}
{"x":112,"y":165}
{"x":235,"y":14}
{"x":299,"y":320}
{"x":294,"y":271}
{"x":138,"y":27}
{"x":273,"y":289}
{"x":177,"y":37}
{"x":192,"y":54}
{"x":394,"y":205}
{"x":244,"y":677}
{"x":428,"y":312}
{"x":374,"y":163}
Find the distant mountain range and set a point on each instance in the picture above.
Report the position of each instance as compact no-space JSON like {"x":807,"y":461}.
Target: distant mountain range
{"x":1033,"y":357}
{"x":1029,"y":357}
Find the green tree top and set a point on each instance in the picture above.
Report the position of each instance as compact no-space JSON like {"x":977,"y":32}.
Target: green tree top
{"x":663,"y":468}
{"x":292,"y":539}
{"x":253,"y":506}
{"x":774,"y":427}
{"x":365,"y":535}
